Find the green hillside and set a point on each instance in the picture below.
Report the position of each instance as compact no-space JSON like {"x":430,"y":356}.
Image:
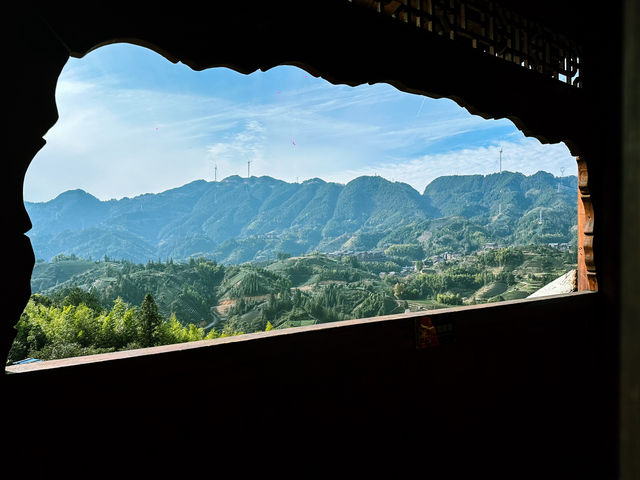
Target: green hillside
{"x":202,"y":291}
{"x":511,"y":207}
{"x":82,"y":307}
{"x":239,"y":220}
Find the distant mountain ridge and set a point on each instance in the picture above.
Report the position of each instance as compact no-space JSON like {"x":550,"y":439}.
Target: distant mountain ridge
{"x":243,"y":219}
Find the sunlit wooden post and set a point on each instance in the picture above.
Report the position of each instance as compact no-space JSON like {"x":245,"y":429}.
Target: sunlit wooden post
{"x":586,"y":267}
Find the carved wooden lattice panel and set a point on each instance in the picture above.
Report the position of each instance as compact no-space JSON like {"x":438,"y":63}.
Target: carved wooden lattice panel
{"x":491,"y":28}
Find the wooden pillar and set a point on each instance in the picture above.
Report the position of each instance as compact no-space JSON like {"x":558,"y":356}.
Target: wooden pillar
{"x":586,"y":267}
{"x":629,"y":419}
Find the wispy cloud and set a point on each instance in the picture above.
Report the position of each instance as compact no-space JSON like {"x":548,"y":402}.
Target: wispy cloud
{"x":121,"y":134}
{"x":526,"y":155}
{"x":246,"y":145}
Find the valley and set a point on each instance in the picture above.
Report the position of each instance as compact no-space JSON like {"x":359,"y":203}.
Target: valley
{"x":214,"y":259}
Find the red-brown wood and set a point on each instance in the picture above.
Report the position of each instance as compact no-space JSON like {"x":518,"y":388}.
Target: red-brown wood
{"x":587,"y":279}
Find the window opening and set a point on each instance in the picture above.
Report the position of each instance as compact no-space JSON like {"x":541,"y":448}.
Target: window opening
{"x":172,"y":205}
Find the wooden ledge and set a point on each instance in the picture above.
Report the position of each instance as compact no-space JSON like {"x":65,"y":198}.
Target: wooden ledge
{"x":249,"y":337}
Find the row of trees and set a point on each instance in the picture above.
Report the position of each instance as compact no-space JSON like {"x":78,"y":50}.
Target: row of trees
{"x":325,"y":303}
{"x":429,"y":285}
{"x":502,"y":257}
{"x":121,"y":313}
{"x":51,"y":328}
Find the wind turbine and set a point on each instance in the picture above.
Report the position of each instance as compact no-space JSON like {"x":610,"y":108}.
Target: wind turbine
{"x":560,"y":179}
{"x":500,"y":209}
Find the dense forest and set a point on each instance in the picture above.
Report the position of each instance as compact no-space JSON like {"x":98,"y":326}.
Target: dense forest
{"x":74,"y":323}
{"x":82,"y":306}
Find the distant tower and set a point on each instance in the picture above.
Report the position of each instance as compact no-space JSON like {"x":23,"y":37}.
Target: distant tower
{"x":249,"y":168}
{"x":560,"y":179}
{"x":540,"y":221}
{"x":215,"y":172}
{"x":500,"y":159}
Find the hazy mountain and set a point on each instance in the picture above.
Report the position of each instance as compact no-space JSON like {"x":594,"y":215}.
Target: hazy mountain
{"x":241,"y":219}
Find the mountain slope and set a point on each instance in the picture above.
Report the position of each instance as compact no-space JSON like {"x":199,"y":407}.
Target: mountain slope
{"x":243,"y":219}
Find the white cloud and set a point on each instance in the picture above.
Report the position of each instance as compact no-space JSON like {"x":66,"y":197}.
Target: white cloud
{"x":232,"y":155}
{"x":219,"y":150}
{"x":114,"y":140}
{"x":526,"y":155}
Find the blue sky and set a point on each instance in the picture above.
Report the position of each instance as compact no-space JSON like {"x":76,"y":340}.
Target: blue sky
{"x":131,"y":122}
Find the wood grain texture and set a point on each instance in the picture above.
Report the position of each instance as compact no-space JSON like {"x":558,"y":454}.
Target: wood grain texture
{"x":587,"y":278}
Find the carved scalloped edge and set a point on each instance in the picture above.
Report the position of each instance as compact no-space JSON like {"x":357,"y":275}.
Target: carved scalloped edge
{"x":588,"y":231}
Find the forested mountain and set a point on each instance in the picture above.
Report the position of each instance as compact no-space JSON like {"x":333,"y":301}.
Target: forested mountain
{"x":244,"y":219}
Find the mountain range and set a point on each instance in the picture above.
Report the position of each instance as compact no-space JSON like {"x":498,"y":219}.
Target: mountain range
{"x":243,"y":219}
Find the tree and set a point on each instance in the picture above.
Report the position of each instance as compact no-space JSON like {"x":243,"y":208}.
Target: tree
{"x":150,"y":319}
{"x":407,"y":250}
{"x":398,"y":290}
{"x":119,"y":327}
{"x":449,"y":298}
{"x":297,"y":298}
{"x":76,"y":296}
